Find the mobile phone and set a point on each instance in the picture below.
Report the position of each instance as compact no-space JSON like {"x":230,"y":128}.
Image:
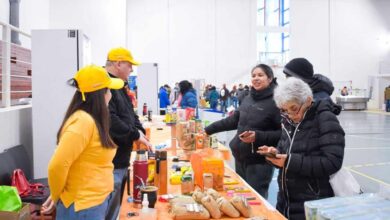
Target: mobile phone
{"x":269,"y":154}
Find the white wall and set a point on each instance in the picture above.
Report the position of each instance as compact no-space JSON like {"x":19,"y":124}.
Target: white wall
{"x":104,"y":22}
{"x":16,"y":128}
{"x":309,"y":31}
{"x":341,"y":37}
{"x":214,"y":40}
{"x":4,"y":11}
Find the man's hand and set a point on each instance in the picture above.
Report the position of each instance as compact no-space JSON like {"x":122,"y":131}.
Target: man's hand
{"x":144,"y":140}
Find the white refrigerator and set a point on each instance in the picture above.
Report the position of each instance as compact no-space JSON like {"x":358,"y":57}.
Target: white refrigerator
{"x":56,"y":57}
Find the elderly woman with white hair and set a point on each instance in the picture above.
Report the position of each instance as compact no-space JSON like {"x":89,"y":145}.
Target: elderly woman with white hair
{"x":310,"y":149}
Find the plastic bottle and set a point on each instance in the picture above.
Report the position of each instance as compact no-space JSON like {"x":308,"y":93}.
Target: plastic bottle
{"x":140,"y":175}
{"x":144,"y":110}
{"x":145,"y":211}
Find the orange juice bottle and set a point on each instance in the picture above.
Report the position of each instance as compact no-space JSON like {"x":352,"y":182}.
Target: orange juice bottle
{"x":199,"y":141}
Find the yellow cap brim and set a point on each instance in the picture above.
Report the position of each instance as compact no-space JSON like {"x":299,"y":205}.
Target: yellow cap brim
{"x":135,"y":63}
{"x":116,"y":83}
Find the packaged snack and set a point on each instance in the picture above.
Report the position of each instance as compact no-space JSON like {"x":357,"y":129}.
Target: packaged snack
{"x":212,"y":206}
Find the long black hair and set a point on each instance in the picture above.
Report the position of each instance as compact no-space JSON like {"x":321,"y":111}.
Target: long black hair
{"x":184,"y":86}
{"x":95,"y":105}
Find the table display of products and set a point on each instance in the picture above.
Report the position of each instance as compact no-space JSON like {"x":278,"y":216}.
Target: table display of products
{"x":363,"y":206}
{"x":196,"y":183}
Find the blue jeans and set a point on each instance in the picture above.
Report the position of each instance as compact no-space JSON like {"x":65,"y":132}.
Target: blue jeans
{"x":258,"y":176}
{"x":223,"y":105}
{"x":235,"y":102}
{"x":114,"y":203}
{"x":96,"y":212}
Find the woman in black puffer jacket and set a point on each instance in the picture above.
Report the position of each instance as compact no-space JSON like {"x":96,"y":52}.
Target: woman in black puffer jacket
{"x":310,"y":149}
{"x":257,"y":121}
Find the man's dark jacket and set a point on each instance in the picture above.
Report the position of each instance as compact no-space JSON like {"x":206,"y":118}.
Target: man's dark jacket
{"x":124,"y":126}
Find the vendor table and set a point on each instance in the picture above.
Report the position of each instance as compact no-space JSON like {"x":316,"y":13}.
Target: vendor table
{"x":161,"y":134}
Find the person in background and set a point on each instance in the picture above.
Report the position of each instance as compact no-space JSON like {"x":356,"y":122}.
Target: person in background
{"x":132,"y":96}
{"x":257,"y":121}
{"x":240,"y":90}
{"x":188,"y":95}
{"x":321,"y":86}
{"x":224,"y":97}
{"x":243,"y":94}
{"x":233,"y":96}
{"x":213,"y":98}
{"x":125,"y":125}
{"x":174,"y":96}
{"x":310,"y":149}
{"x":80,"y":171}
{"x":163,"y":96}
{"x":344,"y":91}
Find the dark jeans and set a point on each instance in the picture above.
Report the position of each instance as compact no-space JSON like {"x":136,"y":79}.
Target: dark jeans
{"x":258,"y":176}
{"x":114,"y":203}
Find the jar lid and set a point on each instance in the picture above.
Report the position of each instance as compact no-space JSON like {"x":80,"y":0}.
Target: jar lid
{"x":207,"y":174}
{"x":186,"y":178}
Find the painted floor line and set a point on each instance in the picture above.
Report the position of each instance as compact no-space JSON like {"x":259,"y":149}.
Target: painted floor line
{"x":368,"y":165}
{"x":367,"y":148}
{"x":369,"y":177}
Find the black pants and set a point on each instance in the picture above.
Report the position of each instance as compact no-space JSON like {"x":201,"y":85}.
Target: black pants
{"x":258,"y":176}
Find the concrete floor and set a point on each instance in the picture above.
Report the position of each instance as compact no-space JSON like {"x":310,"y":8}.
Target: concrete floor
{"x":367,"y":150}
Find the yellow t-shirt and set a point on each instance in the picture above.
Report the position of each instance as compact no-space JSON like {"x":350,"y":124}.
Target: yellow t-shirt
{"x":81,"y":169}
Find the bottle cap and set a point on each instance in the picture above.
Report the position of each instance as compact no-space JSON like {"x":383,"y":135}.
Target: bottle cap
{"x":140,"y":152}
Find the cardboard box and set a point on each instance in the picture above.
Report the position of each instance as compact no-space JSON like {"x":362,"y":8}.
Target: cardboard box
{"x":387,"y":93}
{"x":23,"y":214}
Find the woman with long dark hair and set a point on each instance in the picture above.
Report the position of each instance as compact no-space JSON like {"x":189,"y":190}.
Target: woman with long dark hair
{"x":188,"y":95}
{"x":80,"y":172}
{"x":257,"y":121}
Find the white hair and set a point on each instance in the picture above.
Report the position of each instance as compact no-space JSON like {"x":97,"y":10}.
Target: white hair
{"x":292,"y":90}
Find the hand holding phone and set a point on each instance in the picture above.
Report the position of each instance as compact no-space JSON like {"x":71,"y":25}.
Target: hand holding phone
{"x":267,"y":151}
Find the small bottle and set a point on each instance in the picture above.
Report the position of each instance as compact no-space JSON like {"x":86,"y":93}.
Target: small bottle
{"x":144,"y":110}
{"x":145,"y":212}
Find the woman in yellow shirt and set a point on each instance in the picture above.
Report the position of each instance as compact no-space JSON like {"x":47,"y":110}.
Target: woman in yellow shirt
{"x":80,"y":172}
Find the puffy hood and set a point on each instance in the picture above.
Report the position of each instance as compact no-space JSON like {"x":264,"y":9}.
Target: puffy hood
{"x":321,"y":83}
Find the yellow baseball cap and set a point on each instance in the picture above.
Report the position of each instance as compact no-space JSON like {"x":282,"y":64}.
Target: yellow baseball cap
{"x":121,"y":54}
{"x":92,"y":78}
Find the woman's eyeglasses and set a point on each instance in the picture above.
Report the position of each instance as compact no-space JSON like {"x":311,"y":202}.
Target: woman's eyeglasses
{"x":292,"y":111}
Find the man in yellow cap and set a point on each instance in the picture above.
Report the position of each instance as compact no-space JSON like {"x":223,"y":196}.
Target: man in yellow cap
{"x":125,"y":125}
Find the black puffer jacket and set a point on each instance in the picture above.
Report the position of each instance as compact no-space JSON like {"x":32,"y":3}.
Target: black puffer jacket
{"x":124,"y":126}
{"x":315,"y":150}
{"x":321,"y":83}
{"x":258,"y":113}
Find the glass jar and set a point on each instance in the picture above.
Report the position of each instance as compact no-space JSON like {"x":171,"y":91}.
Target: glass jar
{"x":187,"y":185}
{"x":207,"y":181}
